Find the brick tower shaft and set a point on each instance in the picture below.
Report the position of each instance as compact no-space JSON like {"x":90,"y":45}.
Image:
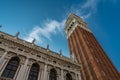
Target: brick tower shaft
{"x":83,"y":46}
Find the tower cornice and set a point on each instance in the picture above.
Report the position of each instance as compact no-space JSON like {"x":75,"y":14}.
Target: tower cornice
{"x":74,"y":21}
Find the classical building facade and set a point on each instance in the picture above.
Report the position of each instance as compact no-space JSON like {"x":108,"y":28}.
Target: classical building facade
{"x":95,"y":64}
{"x":21,"y":60}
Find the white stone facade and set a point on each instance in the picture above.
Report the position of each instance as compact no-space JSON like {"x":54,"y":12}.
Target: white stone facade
{"x":29,"y":53}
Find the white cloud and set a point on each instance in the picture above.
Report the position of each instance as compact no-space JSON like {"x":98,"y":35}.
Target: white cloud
{"x":48,"y":28}
{"x":41,"y":33}
{"x":86,"y":9}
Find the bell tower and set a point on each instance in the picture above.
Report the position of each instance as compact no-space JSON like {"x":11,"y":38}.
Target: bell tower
{"x":83,"y":46}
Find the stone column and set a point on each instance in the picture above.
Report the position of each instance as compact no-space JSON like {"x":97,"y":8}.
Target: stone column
{"x":62,"y":78}
{"x":42,"y":74}
{"x":27,"y":72}
{"x":45,"y":72}
{"x":3,"y":65}
{"x":76,"y":77}
{"x":39,"y":74}
{"x":19,"y":69}
{"x":3,"y":57}
{"x":79,"y":76}
{"x":23,"y":70}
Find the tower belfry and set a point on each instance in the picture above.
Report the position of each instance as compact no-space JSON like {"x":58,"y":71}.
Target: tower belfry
{"x":95,"y":64}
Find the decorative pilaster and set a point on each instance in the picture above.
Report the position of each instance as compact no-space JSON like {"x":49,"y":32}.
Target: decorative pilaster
{"x":76,"y":76}
{"x":23,"y":70}
{"x":3,"y":65}
{"x":3,"y":57}
{"x":45,"y":72}
{"x":62,"y":78}
{"x":42,"y":74}
{"x":79,"y":76}
{"x":39,"y":74}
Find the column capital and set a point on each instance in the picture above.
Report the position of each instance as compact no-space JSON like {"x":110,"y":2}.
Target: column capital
{"x":27,"y":58}
{"x":6,"y":50}
{"x":45,"y":63}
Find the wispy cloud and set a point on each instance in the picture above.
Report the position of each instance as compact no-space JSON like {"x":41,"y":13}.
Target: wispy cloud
{"x":48,"y":28}
{"x":86,"y":9}
{"x":41,"y":33}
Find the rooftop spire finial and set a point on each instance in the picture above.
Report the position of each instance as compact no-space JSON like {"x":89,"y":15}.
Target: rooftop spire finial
{"x":48,"y":46}
{"x":17,"y":34}
{"x":33,"y":41}
{"x":61,"y":52}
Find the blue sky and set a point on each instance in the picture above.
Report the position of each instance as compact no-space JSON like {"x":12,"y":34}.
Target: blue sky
{"x":44,"y":21}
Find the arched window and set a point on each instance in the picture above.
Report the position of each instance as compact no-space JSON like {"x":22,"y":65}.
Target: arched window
{"x":11,"y":68}
{"x":53,"y":74}
{"x":34,"y":71}
{"x":68,"y":76}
